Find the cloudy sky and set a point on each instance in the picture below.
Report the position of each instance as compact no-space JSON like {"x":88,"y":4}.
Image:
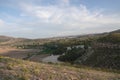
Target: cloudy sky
{"x":50,"y":18}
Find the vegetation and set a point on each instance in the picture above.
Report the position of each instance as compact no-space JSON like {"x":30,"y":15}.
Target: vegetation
{"x":54,"y":48}
{"x":14,"y":69}
{"x":104,"y":58}
{"x":106,"y":52}
{"x":72,"y":55}
{"x":110,"y":38}
{"x":101,"y":51}
{"x":32,"y":46}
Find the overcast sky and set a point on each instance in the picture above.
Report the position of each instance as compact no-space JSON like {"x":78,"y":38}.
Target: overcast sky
{"x":50,"y":18}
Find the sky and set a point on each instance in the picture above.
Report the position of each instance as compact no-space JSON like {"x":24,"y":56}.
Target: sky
{"x":52,"y":18}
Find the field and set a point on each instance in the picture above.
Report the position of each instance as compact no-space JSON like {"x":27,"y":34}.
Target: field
{"x":23,"y":53}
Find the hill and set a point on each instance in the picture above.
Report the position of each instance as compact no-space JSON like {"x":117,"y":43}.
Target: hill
{"x":13,"y":42}
{"x":105,"y":52}
{"x":100,"y":50}
{"x":5,"y":38}
{"x":14,"y":69}
{"x":18,"y":42}
{"x":112,"y":37}
{"x":104,"y":48}
{"x":116,"y":31}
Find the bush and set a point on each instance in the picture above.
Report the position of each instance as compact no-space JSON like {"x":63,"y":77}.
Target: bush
{"x":72,"y":55}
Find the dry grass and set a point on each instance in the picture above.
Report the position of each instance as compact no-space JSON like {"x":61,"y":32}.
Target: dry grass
{"x":14,"y":69}
{"x":17,"y":53}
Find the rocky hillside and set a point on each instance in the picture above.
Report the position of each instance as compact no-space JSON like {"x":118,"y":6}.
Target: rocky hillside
{"x":14,"y":69}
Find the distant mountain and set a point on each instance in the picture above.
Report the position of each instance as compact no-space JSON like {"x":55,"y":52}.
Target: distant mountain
{"x":5,"y":40}
{"x":11,"y":41}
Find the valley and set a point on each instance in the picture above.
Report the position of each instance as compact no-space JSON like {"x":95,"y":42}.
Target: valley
{"x":59,"y":39}
{"x":80,"y":58}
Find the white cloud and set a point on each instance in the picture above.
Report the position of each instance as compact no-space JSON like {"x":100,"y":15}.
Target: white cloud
{"x":64,"y":2}
{"x":1,"y":22}
{"x":59,"y":19}
{"x":69,"y":15}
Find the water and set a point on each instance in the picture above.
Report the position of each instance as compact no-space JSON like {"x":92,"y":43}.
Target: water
{"x":52,"y":58}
